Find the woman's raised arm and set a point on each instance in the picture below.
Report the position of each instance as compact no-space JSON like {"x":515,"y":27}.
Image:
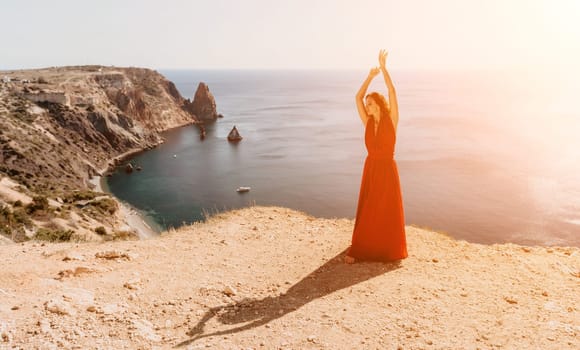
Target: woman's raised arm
{"x":393,"y":104}
{"x":360,"y":95}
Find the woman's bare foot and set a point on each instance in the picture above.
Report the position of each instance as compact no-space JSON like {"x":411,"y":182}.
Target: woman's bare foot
{"x":348,"y":260}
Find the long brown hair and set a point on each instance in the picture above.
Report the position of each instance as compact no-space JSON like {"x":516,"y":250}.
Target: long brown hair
{"x":382,"y":102}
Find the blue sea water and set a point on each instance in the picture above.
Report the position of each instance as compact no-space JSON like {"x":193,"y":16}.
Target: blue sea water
{"x":483,"y":156}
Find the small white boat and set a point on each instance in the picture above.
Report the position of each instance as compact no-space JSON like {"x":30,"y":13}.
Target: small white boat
{"x":243,"y":189}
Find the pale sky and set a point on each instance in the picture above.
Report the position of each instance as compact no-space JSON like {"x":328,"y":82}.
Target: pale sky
{"x":297,"y":34}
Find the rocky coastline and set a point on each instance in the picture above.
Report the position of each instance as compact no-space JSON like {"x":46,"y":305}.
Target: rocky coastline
{"x":256,"y":278}
{"x":62,"y":126}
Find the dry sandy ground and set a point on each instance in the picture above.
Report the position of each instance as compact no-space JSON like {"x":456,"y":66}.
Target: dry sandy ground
{"x":272,"y":278}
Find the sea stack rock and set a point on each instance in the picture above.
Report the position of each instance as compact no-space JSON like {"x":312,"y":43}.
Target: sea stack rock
{"x":234,"y":135}
{"x":203,"y":105}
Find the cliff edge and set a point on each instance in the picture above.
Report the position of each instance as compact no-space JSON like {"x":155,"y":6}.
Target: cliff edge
{"x":273,"y":278}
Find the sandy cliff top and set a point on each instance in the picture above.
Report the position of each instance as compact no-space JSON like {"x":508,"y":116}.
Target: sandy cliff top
{"x":270,"y":278}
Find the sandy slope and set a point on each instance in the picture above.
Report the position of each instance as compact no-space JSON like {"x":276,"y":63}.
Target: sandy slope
{"x":9,"y":192}
{"x":272,"y":278}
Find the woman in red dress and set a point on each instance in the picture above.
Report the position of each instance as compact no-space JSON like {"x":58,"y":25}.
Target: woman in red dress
{"x":379,"y":229}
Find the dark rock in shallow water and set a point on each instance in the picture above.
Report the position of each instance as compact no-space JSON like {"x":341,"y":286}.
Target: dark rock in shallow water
{"x":201,"y":131}
{"x":234,"y":135}
{"x":129,"y":168}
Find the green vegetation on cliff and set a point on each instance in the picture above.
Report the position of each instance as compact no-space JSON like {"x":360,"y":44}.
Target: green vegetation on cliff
{"x":61,"y":126}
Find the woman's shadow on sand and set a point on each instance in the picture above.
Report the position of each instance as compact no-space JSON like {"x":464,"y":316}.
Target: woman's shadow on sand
{"x":334,"y":275}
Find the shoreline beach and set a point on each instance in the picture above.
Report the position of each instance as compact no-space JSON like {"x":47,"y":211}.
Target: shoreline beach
{"x":133,"y":217}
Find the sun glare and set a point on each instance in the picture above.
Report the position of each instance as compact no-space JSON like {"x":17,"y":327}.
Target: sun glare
{"x":561,"y":18}
{"x":551,"y":36}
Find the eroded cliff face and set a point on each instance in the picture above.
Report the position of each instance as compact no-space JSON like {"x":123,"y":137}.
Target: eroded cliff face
{"x":61,"y":126}
{"x":67,"y":122}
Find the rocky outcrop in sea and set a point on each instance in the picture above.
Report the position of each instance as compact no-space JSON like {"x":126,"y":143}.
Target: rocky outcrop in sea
{"x":203,"y":105}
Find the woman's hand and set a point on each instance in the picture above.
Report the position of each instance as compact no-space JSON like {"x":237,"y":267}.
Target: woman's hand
{"x":383,"y":59}
{"x":374,"y":72}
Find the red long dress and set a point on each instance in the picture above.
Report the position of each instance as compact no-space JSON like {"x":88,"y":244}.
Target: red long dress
{"x":379,"y":229}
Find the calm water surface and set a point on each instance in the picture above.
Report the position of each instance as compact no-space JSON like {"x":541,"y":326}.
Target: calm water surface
{"x":484,"y":157}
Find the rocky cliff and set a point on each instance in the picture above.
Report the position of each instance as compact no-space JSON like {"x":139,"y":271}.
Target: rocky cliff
{"x":60,"y":126}
{"x":203,"y":104}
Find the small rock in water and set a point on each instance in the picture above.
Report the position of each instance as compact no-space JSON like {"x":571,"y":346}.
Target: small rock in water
{"x":129,"y":168}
